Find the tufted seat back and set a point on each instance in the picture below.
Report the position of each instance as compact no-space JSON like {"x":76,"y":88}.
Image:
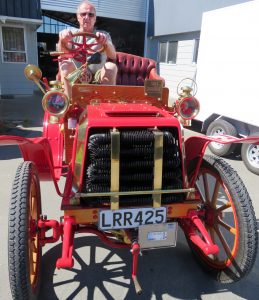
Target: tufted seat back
{"x":133,"y":69}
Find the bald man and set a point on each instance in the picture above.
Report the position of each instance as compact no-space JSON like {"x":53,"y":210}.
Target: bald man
{"x":102,"y":72}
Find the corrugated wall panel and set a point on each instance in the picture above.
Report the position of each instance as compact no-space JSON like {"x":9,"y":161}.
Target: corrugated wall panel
{"x":29,"y":9}
{"x":62,"y":5}
{"x":124,"y":9}
{"x":134,"y":10}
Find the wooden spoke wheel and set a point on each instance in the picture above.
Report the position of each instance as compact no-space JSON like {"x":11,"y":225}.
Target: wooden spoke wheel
{"x":23,"y":241}
{"x":229,"y":219}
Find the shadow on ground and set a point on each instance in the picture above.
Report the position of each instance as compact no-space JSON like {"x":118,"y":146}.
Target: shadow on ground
{"x":99,"y":271}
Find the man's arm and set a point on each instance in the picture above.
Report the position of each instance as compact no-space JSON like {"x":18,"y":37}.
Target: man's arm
{"x":110,"y":50}
{"x":106,"y":41}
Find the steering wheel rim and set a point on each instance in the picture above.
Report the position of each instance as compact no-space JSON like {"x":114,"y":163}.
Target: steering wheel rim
{"x":82,"y":50}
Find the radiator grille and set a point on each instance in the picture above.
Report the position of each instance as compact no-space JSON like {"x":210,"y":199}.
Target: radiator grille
{"x":136,"y":166}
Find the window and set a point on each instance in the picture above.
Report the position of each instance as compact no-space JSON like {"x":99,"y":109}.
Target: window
{"x":195,"y":51}
{"x":13,"y":44}
{"x":52,"y":26}
{"x":163,"y":47}
{"x":168,"y":52}
{"x":172,"y":52}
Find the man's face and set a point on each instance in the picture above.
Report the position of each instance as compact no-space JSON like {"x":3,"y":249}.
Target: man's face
{"x":86,"y":17}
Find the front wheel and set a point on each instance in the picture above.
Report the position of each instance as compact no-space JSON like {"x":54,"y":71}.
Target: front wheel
{"x":250,"y":157}
{"x":229,"y":219}
{"x":23,"y":240}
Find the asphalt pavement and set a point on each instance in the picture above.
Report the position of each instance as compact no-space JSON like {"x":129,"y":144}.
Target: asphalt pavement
{"x":21,"y":111}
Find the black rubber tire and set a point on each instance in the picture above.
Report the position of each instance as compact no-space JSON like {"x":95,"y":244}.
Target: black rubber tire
{"x":25,"y":195}
{"x":235,"y":266}
{"x":250,"y":156}
{"x":221,"y":127}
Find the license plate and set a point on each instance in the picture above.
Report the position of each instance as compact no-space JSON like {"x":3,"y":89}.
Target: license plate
{"x":131,"y":218}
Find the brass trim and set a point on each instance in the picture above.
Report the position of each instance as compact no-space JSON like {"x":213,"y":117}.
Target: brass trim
{"x":80,"y":152}
{"x":186,"y":181}
{"x":34,"y":73}
{"x":45,"y":102}
{"x":115,"y":167}
{"x":56,"y":85}
{"x":89,"y":215}
{"x":53,"y":119}
{"x":158,"y":166}
{"x":132,"y":193}
{"x":153,"y":88}
{"x":74,"y":201}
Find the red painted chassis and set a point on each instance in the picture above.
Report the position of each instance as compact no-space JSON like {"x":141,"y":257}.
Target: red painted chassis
{"x":113,"y":107}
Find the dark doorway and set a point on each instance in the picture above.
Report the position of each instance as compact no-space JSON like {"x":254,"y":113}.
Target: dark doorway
{"x":48,"y":65}
{"x":127,"y":36}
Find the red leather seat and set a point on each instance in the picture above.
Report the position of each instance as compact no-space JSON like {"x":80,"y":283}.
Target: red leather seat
{"x":133,"y":69}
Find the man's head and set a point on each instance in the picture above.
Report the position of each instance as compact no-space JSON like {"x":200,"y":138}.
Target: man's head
{"x":86,"y":16}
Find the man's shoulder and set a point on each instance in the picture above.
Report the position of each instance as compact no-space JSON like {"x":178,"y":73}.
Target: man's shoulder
{"x":102,"y":31}
{"x":73,"y":29}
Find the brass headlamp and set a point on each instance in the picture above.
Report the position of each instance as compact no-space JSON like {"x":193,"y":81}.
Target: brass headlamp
{"x":187,"y":106}
{"x":55,"y":102}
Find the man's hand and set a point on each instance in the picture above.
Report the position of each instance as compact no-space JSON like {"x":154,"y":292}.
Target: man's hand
{"x":65,"y":36}
{"x":102,"y":38}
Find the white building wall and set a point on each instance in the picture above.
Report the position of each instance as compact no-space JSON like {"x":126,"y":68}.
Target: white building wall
{"x":133,"y":10}
{"x":12,"y":77}
{"x":184,"y":67}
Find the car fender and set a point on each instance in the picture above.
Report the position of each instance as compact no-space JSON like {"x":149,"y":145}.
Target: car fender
{"x":36,"y":150}
{"x":195,"y":146}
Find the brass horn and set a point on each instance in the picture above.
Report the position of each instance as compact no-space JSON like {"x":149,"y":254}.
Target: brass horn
{"x":75,"y":75}
{"x":33,"y":73}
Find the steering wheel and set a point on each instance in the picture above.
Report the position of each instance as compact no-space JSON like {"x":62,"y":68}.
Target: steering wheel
{"x":80,"y":51}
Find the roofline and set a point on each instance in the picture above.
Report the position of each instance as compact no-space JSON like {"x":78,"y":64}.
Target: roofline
{"x":3,"y":20}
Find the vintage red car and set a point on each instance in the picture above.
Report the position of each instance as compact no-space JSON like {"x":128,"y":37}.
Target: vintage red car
{"x":131,"y":178}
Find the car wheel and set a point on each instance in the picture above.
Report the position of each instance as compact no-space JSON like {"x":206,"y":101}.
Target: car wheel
{"x":23,"y":240}
{"x":229,"y":219}
{"x":250,"y":157}
{"x":221,"y":127}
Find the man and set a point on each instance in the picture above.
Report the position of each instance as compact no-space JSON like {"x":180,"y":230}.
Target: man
{"x":103,"y":72}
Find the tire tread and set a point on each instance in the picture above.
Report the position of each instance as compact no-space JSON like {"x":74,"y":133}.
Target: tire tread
{"x":18,"y":233}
